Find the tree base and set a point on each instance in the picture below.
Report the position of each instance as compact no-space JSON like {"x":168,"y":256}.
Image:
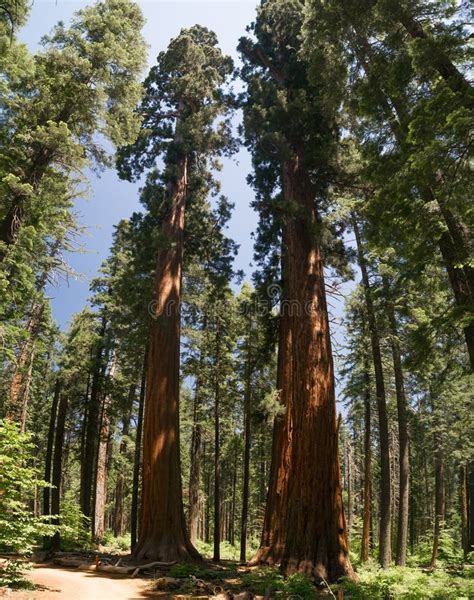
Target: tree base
{"x":329,"y":570}
{"x":165,"y":551}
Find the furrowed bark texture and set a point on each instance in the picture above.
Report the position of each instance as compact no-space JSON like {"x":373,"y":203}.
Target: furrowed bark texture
{"x":304,"y":528}
{"x":163,"y":535}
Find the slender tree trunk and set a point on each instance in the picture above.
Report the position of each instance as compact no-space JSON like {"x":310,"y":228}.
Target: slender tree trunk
{"x":217,"y":457}
{"x":49,"y":447}
{"x":367,"y":516}
{"x":58,"y":466}
{"x":120,"y":485}
{"x":247,"y":445}
{"x":348,"y":478}
{"x":100,"y":487}
{"x":403,"y":438}
{"x":195,"y":467}
{"x":163,"y":534}
{"x":232,"y":511}
{"x":138,"y":455}
{"x":304,"y":527}
{"x":439,"y":502}
{"x":385,"y":471}
{"x":93,"y":426}
{"x":101,"y":471}
{"x":470,"y":488}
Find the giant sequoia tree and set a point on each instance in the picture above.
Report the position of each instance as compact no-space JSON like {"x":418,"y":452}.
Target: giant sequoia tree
{"x":291,"y":130}
{"x":183,"y":98}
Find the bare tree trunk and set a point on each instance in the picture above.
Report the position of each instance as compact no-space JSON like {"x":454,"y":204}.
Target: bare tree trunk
{"x":217,"y":458}
{"x":163,"y":535}
{"x":403,"y":438}
{"x":348,"y":479}
{"x":439,"y":502}
{"x":120,"y":487}
{"x":101,"y":470}
{"x":232,"y":510}
{"x":93,"y":426}
{"x":247,"y":445}
{"x":195,"y":468}
{"x":385,"y":471}
{"x":304,"y":527}
{"x":138,"y":455}
{"x":470,"y":489}
{"x":367,"y":518}
{"x":50,"y":446}
{"x":57,"y":466}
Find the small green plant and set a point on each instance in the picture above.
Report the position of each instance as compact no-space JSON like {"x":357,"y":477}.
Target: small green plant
{"x":75,"y":529}
{"x":20,"y":529}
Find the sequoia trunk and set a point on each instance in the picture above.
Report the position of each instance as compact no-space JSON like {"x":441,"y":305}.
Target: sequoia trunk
{"x":163,"y":534}
{"x":304,"y":527}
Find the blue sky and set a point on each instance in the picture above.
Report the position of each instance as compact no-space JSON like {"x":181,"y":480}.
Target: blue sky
{"x":111,"y":199}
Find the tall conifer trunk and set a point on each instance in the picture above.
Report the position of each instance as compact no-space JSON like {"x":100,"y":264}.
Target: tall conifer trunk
{"x":385,"y":471}
{"x":403,"y":439}
{"x":92,"y":427}
{"x":120,"y":485}
{"x":58,"y":465}
{"x":137,"y":456}
{"x":217,"y":457}
{"x":247,"y":445}
{"x":195,"y":468}
{"x":367,"y":514}
{"x":305,"y":528}
{"x":163,"y":534}
{"x":50,"y":447}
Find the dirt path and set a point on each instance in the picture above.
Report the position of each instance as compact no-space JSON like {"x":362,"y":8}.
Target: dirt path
{"x":71,"y":584}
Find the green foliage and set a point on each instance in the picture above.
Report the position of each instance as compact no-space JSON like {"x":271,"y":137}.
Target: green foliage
{"x":409,"y":584}
{"x":295,"y":585}
{"x":12,"y":574}
{"x":75,"y":529}
{"x":20,"y":530}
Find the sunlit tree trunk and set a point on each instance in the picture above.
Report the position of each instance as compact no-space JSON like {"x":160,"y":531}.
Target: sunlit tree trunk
{"x":138,"y":456}
{"x":304,"y":527}
{"x":163,"y":534}
{"x":367,"y":510}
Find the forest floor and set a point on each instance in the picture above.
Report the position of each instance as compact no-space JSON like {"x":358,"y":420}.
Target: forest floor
{"x":54,"y":583}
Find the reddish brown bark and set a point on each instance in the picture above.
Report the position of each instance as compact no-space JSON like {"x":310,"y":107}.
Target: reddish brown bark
{"x":163,"y":534}
{"x":304,"y":527}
